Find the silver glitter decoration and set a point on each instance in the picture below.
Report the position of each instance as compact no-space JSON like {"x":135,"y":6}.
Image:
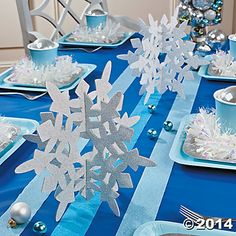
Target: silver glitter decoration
{"x":203,"y":4}
{"x":95,"y":117}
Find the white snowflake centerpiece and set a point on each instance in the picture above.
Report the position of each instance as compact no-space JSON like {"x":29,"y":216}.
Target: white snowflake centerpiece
{"x":95,"y":117}
{"x":162,"y":58}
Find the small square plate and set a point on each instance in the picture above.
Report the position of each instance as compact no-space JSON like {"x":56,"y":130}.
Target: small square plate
{"x":63,"y":42}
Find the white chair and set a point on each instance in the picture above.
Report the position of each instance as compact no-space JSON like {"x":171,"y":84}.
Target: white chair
{"x":30,"y":34}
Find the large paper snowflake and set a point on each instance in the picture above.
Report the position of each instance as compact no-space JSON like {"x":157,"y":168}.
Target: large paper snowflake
{"x":93,"y":116}
{"x":162,"y":58}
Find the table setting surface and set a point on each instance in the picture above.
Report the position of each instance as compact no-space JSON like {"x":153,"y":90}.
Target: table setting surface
{"x":158,"y":192}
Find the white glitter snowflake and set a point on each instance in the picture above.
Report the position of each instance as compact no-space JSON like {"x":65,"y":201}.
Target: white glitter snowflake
{"x":162,"y":58}
{"x":95,"y":117}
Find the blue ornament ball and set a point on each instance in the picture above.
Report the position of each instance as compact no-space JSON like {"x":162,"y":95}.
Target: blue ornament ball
{"x":205,"y":22}
{"x":215,"y":7}
{"x":151,"y":108}
{"x":152,"y":133}
{"x":40,"y":227}
{"x":168,"y":125}
{"x":219,"y":3}
{"x":217,"y":20}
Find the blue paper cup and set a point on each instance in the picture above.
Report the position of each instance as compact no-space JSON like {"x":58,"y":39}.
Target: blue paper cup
{"x":232,"y":45}
{"x":45,"y":56}
{"x":96,"y":21}
{"x":226,"y":111}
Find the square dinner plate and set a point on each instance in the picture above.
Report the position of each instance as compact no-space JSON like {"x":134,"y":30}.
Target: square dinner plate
{"x":178,"y":155}
{"x":26,"y":126}
{"x":86,"y":70}
{"x":63,"y":42}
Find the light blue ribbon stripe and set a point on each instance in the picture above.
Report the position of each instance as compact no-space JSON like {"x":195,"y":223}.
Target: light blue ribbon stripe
{"x":153,"y":191}
{"x":34,"y":187}
{"x":86,"y":210}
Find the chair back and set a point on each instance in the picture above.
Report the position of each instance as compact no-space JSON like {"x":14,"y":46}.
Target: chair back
{"x":26,"y":14}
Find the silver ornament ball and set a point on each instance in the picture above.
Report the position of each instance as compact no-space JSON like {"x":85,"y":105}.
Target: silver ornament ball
{"x":216,"y":39}
{"x":96,"y":12}
{"x":210,"y":14}
{"x":203,"y":5}
{"x":43,"y":43}
{"x":229,"y":95}
{"x":20,"y":212}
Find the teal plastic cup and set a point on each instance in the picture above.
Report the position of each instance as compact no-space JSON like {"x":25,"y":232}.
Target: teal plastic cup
{"x":43,"y":56}
{"x":232,"y":45}
{"x":95,"y":22}
{"x":225,"y":100}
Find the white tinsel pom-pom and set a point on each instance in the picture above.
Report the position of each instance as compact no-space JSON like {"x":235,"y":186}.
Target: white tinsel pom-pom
{"x":61,"y":73}
{"x":111,"y":34}
{"x":206,"y":140}
{"x":7,"y":134}
{"x":222,"y":64}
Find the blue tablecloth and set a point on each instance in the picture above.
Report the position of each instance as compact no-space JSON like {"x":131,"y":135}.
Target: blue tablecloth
{"x":158,"y":192}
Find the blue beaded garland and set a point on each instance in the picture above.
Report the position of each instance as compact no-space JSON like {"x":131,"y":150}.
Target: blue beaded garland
{"x":152,"y":133}
{"x":151,"y":108}
{"x":40,"y":227}
{"x":168,"y":125}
